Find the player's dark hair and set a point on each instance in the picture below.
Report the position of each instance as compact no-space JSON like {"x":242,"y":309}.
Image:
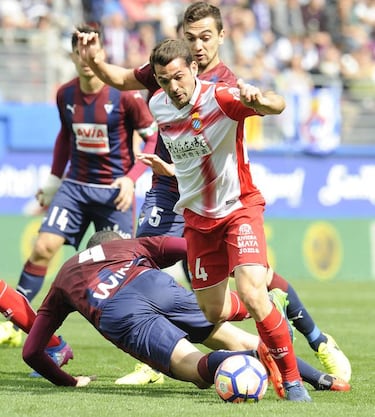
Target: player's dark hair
{"x":86,"y":29}
{"x":201,"y":10}
{"x":102,"y":236}
{"x":168,"y":50}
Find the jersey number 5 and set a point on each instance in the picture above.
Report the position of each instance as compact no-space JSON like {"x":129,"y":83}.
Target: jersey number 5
{"x":155,"y":216}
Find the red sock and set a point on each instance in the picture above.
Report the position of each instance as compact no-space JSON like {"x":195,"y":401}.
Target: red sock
{"x":239,"y":311}
{"x":278,"y":282}
{"x":37,"y":270}
{"x":203,"y":370}
{"x":273,"y":330}
{"x":16,"y":308}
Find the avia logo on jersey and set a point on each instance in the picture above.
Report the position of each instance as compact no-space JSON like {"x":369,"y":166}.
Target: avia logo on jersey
{"x":187,"y":147}
{"x":196,"y":122}
{"x":91,"y":137}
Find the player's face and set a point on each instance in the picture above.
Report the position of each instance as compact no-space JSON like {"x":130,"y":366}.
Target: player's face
{"x":204,"y":40}
{"x":177,"y":79}
{"x":82,"y":68}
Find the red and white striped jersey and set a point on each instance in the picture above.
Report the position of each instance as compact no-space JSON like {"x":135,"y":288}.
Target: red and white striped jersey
{"x":206,"y":142}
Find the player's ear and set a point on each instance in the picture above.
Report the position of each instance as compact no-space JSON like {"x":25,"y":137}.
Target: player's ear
{"x":221,"y":37}
{"x":194,"y":68}
{"x":156,"y":79}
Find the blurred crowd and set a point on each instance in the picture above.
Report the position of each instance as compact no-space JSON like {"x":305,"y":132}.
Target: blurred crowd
{"x":293,"y":46}
{"x":264,"y":38}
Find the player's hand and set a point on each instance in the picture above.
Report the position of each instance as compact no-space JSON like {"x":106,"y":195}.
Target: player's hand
{"x":45,"y":194}
{"x":89,"y":47}
{"x":249,"y":94}
{"x":83,"y":381}
{"x":263,"y":103}
{"x":126,"y":194}
{"x":159,"y":166}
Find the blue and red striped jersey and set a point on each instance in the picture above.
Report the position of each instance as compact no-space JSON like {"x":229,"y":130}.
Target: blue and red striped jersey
{"x":96,"y":134}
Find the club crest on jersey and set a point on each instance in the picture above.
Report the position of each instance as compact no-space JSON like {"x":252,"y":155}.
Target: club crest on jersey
{"x":108,"y":108}
{"x":247,"y":241}
{"x":196,"y":122}
{"x":245,"y":229}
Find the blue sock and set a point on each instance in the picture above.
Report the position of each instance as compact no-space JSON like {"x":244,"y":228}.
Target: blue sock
{"x":29,"y":285}
{"x":302,"y":320}
{"x":308,"y":373}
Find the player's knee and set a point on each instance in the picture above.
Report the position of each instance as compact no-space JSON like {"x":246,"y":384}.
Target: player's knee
{"x":44,"y":249}
{"x":215,"y":314}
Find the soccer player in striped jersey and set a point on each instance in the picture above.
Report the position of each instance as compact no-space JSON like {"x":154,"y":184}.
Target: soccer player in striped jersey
{"x":117,"y":286}
{"x":94,"y":169}
{"x":202,"y":126}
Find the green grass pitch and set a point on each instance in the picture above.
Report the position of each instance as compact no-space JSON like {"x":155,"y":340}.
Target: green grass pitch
{"x":345,"y":310}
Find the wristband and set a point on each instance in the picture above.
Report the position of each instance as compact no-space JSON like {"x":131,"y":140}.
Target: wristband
{"x":47,"y":192}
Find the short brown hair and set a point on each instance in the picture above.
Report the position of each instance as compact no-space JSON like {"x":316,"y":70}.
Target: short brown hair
{"x":201,"y":10}
{"x":168,"y":50}
{"x":102,"y":236}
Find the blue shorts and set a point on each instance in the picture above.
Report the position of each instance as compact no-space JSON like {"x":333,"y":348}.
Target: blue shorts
{"x":157,"y":216}
{"x":147,"y":317}
{"x":75,"y":206}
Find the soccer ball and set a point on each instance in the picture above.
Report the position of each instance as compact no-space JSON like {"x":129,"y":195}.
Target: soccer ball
{"x":241,"y":378}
